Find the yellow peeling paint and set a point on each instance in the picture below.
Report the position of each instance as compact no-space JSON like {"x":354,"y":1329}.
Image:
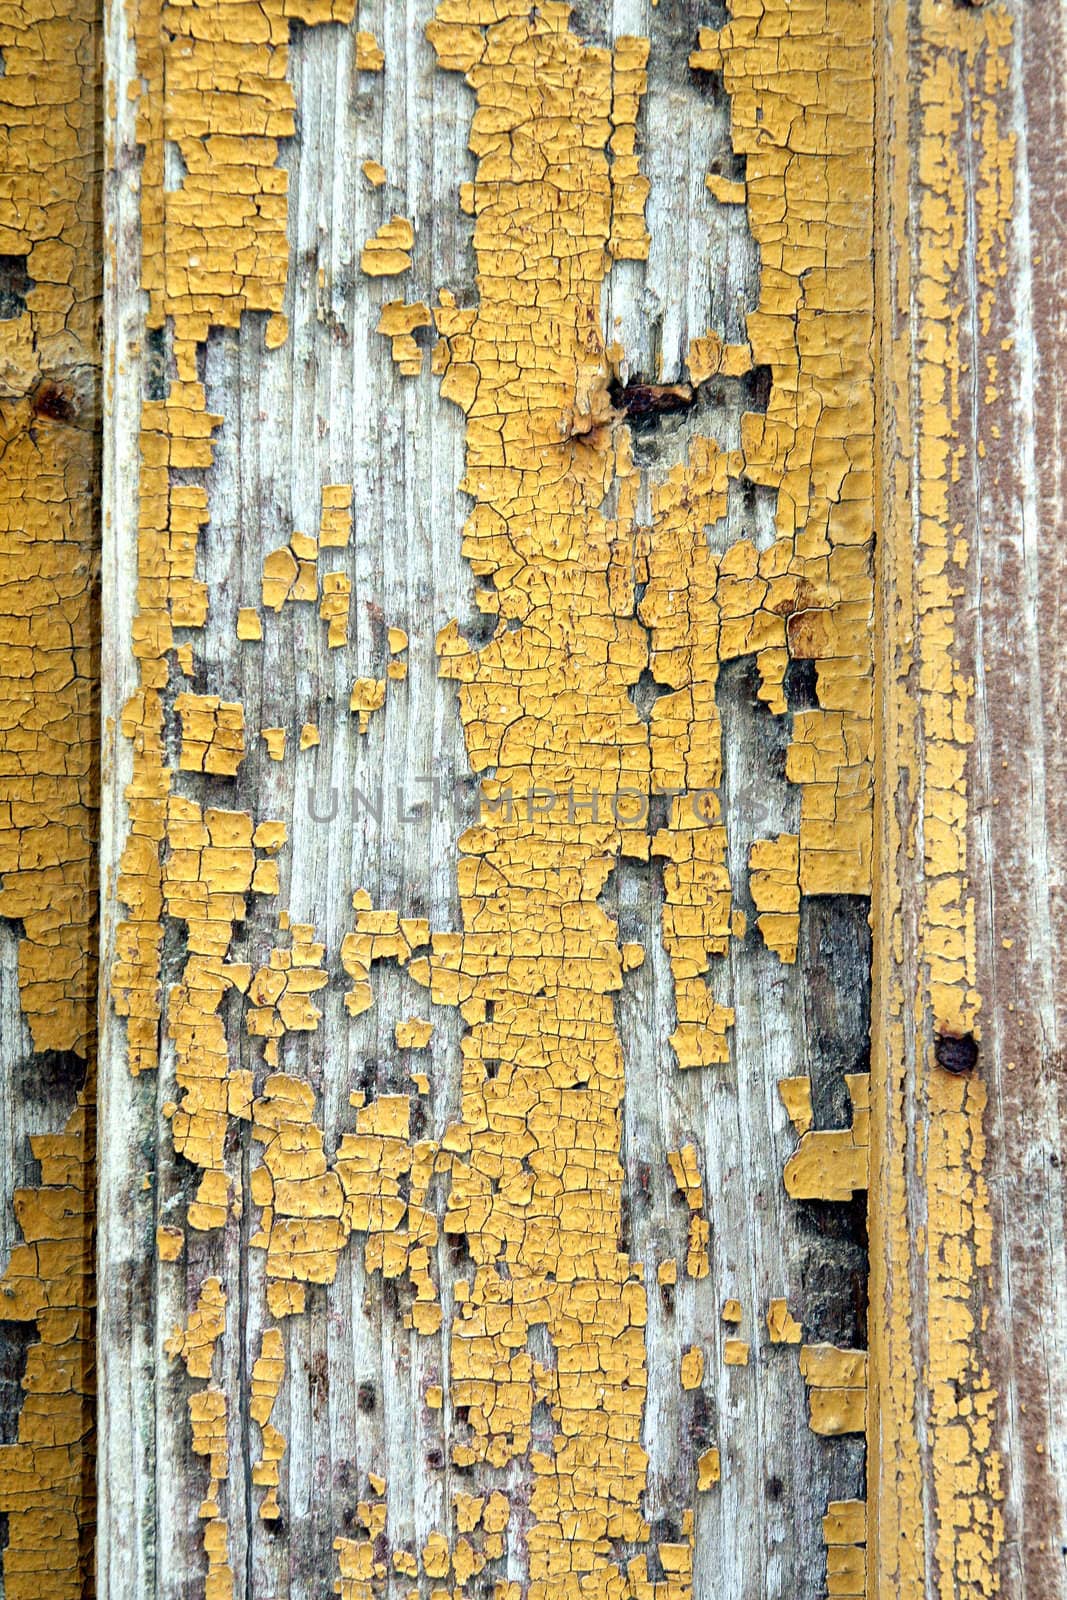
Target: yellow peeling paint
{"x":725,"y":190}
{"x":367,"y":697}
{"x":49,"y":367}
{"x":398,"y":322}
{"x":387,"y":254}
{"x":949,"y":185}
{"x":210,"y":869}
{"x":774,"y":883}
{"x":782,"y":1326}
{"x":815,"y":445}
{"x":51,"y":159}
{"x":369,"y":54}
{"x":374,"y":173}
{"x":837,"y":1388}
{"x":335,"y":606}
{"x":683,"y":1165}
{"x":213,"y":734}
{"x":267,"y":1375}
{"x":46,"y":1474}
{"x":280,"y":993}
{"x":845,"y":1533}
{"x":215,"y":87}
{"x":310,"y":1207}
{"x":833,"y":1165}
{"x":379,"y":936}
{"x":195,"y":1345}
{"x":709,"y":1469}
{"x":533,"y":1158}
{"x":413,"y":1033}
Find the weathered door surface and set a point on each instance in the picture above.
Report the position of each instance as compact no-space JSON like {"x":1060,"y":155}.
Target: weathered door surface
{"x":531,"y":800}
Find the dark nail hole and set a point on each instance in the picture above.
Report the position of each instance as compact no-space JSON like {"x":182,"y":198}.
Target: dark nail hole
{"x":956,"y":1054}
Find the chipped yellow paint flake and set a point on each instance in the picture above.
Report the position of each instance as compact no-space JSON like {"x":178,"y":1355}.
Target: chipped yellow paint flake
{"x":374,"y":173}
{"x":213,"y":734}
{"x":845,"y":1532}
{"x":367,"y":697}
{"x":170,"y":1242}
{"x":837,"y":1388}
{"x":267,"y":1374}
{"x":195,"y":1343}
{"x":774,"y":883}
{"x":249,"y":623}
{"x":795,"y":1095}
{"x":833,"y":1165}
{"x":335,"y":524}
{"x":692,"y":1369}
{"x":413,"y":1033}
{"x":782,"y":1326}
{"x":280,"y":993}
{"x":335,"y":606}
{"x":709,"y":1469}
{"x":726,"y":191}
{"x":683,"y":1165}
{"x":309,"y":735}
{"x":387,"y":254}
{"x":369,"y":54}
{"x":735,"y":1352}
{"x":290,"y":573}
{"x":398,"y":322}
{"x":709,"y":357}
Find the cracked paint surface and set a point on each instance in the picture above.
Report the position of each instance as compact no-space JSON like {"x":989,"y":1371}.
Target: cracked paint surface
{"x":49,"y":730}
{"x":937,"y":1467}
{"x":530,"y":1170}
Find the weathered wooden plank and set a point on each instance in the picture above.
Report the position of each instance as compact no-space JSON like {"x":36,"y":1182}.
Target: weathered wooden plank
{"x":968,"y":1265}
{"x":50,"y":157}
{"x":326,"y":406}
